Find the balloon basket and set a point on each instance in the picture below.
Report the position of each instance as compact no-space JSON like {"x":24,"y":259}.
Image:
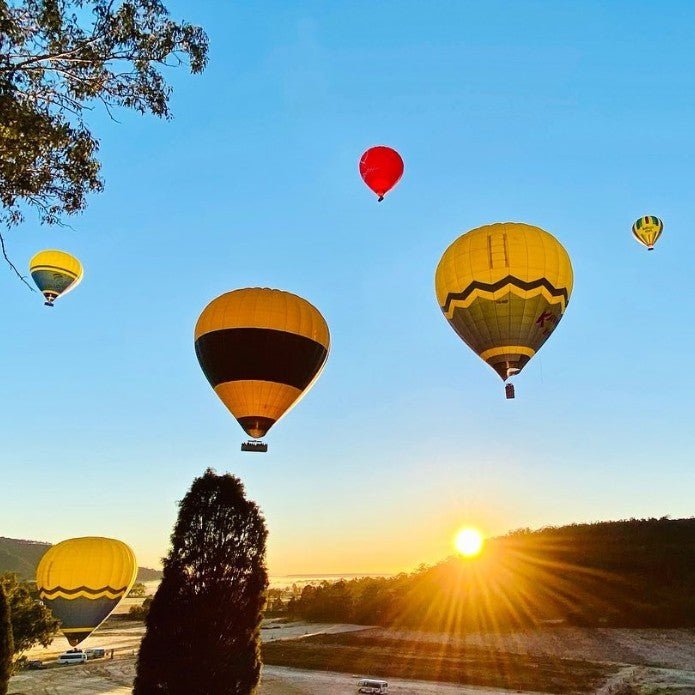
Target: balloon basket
{"x":509,"y":391}
{"x":254,"y":445}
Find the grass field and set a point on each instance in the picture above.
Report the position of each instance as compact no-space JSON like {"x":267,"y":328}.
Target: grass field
{"x":368,"y":654}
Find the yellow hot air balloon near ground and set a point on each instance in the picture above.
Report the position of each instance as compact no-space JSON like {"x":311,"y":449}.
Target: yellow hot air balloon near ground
{"x":82,"y":580}
{"x":647,"y":230}
{"x":504,"y":288}
{"x":261,"y":350}
{"x":55,"y":273}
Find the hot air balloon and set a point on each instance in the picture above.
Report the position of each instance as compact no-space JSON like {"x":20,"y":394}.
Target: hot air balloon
{"x":381,"y":169}
{"x":647,"y":230}
{"x":261,"y":350}
{"x":82,"y":580}
{"x":55,"y":273}
{"x":504,"y":288}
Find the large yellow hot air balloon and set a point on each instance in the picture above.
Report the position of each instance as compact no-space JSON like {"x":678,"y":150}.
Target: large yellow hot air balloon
{"x":504,"y":288}
{"x":82,"y":580}
{"x":55,"y":273}
{"x":261,"y":350}
{"x":647,"y":230}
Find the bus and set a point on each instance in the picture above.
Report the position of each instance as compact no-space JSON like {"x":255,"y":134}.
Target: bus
{"x":370,"y":685}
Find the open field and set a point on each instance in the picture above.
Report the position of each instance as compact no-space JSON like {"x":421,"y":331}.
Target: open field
{"x":364,"y":652}
{"x":558,"y":660}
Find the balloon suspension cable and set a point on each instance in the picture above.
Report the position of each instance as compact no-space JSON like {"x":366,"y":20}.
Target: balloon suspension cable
{"x":380,"y":198}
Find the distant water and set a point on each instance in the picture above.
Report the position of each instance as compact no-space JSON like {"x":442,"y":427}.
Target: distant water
{"x":286,"y":580}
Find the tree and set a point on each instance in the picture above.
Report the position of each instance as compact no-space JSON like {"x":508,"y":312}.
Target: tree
{"x":57,"y":57}
{"x":210,"y":598}
{"x":32,"y":622}
{"x":138,"y":591}
{"x":6,"y":643}
{"x":140,"y":612}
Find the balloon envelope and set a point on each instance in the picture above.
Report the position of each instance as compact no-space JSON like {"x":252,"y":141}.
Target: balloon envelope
{"x":83,"y":579}
{"x":381,"y":169}
{"x":647,"y":230}
{"x":261,"y":350}
{"x":504,"y":288}
{"x":55,"y":273}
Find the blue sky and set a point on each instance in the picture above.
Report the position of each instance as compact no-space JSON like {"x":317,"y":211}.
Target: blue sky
{"x":576,"y":117}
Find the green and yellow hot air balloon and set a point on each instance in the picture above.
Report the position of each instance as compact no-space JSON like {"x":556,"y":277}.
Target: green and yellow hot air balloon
{"x":261,"y":350}
{"x":647,"y":230}
{"x":83,"y":579}
{"x":55,"y":273}
{"x":504,"y":288}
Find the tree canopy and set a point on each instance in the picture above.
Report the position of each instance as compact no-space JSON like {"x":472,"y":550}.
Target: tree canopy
{"x":32,"y":622}
{"x":57,"y":59}
{"x":210,"y":598}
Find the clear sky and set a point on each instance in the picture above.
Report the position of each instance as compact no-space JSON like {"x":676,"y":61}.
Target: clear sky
{"x":574,"y":116}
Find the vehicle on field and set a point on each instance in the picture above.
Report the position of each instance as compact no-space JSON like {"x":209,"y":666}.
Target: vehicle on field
{"x":95,"y":653}
{"x":72,"y":657}
{"x":370,"y":685}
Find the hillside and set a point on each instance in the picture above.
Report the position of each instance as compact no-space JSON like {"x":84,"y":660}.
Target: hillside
{"x":637,"y":573}
{"x":22,"y":557}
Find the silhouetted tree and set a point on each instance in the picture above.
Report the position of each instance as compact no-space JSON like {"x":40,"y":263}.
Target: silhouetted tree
{"x":6,"y":642}
{"x":203,"y":627}
{"x":57,"y":56}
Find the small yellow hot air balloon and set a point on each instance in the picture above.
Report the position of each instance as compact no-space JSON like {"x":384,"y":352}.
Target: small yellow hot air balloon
{"x":261,"y":350}
{"x":504,"y":288}
{"x":83,"y":579}
{"x":55,"y":273}
{"x":647,"y":230}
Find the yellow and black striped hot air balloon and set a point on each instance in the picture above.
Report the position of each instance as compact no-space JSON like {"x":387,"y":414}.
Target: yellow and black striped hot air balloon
{"x":261,"y":350}
{"x":55,"y":273}
{"x":504,"y":288}
{"x":647,"y":230}
{"x":83,"y":579}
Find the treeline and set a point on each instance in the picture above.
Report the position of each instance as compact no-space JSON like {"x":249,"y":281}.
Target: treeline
{"x":635,"y":573}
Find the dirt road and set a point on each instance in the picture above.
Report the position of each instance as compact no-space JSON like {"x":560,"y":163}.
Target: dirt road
{"x":116,"y":677}
{"x":651,"y":661}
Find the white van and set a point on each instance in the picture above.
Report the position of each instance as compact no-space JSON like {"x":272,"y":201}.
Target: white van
{"x":72,"y":658}
{"x":369,"y":685}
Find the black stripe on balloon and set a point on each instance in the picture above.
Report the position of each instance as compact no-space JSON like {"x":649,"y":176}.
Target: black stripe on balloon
{"x":509,"y":280}
{"x":54,"y":268}
{"x":264,"y":354}
{"x":86,"y":589}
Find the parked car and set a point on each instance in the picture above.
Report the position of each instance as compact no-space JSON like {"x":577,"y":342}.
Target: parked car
{"x":35,"y":664}
{"x":72,"y":657}
{"x":370,"y":685}
{"x":95,"y":653}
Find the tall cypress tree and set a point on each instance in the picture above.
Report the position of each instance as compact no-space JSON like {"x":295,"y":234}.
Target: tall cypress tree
{"x":6,"y":642}
{"x":203,"y":627}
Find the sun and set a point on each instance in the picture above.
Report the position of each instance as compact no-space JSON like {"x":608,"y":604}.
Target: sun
{"x":469,"y":542}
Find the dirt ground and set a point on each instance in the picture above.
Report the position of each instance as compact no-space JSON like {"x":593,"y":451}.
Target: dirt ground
{"x":115,"y":678}
{"x":651,"y":661}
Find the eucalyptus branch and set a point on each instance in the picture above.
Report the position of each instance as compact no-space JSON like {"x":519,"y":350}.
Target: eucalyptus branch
{"x":12,"y":265}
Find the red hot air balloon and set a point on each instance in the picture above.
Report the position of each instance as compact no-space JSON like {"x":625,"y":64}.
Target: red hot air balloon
{"x":381,"y":168}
